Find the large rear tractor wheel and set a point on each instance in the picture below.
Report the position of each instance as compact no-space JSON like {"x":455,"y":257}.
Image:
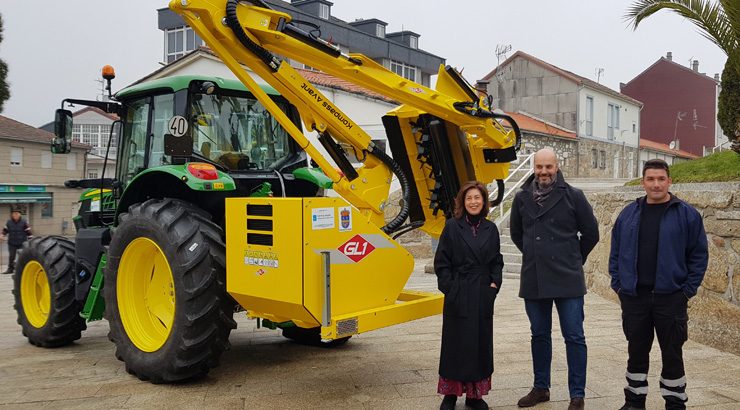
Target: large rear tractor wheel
{"x":44,"y":290}
{"x":165,"y":291}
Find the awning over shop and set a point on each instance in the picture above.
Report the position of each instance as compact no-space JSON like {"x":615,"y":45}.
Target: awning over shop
{"x":24,"y":197}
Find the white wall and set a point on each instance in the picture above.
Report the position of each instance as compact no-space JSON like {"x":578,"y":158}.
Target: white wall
{"x":629,"y":114}
{"x":646,"y":154}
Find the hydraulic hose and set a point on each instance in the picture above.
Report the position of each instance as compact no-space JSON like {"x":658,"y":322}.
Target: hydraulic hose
{"x":396,"y":223}
{"x":232,"y":21}
{"x":499,"y":192}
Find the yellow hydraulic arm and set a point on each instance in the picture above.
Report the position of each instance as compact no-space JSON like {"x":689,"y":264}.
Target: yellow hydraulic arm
{"x":439,"y":138}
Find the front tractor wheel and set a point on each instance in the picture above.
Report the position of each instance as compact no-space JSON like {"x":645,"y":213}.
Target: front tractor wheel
{"x":44,"y":290}
{"x":170,"y":316}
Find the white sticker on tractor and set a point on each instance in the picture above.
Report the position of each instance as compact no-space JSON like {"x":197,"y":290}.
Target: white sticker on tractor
{"x":322,"y":218}
{"x":345,"y":218}
{"x":177,"y":126}
{"x":263,"y":259}
{"x":95,"y":206}
{"x":193,"y":246}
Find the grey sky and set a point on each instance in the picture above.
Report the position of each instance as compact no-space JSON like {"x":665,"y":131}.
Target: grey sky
{"x":55,"y":49}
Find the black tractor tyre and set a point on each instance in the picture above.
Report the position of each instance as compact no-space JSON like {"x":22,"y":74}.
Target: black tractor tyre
{"x":311,"y":337}
{"x":63,"y":324}
{"x":203,"y":312}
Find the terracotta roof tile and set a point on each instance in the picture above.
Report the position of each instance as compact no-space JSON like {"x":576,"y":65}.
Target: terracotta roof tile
{"x":664,"y":148}
{"x":528,"y":122}
{"x":13,"y":129}
{"x":326,"y":80}
{"x":112,"y":117}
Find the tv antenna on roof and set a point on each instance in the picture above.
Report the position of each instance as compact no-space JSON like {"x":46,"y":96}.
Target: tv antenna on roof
{"x":599,"y":72}
{"x":501,"y":50}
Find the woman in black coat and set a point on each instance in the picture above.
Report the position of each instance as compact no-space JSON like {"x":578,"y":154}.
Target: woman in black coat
{"x":468,"y":264}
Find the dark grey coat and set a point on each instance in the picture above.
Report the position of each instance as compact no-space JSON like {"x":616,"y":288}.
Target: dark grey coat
{"x":552,"y":253}
{"x":466,"y":265}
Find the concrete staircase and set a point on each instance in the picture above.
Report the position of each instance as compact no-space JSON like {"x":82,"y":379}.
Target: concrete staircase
{"x":512,"y":256}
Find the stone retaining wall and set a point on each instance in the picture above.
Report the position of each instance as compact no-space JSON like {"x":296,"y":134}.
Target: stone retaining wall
{"x":714,"y":314}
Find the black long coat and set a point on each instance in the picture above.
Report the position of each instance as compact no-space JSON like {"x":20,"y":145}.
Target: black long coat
{"x":552,"y":252}
{"x":466,"y":265}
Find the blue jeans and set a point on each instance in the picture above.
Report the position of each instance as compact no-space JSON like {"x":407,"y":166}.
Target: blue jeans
{"x":570,"y":312}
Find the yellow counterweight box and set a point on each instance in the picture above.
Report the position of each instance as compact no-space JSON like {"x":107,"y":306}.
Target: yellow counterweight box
{"x":318,"y":262}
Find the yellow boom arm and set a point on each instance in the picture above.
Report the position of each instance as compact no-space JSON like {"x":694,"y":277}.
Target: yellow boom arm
{"x":439,"y":137}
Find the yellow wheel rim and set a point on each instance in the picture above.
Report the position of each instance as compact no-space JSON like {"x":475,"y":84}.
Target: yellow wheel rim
{"x":35,"y":294}
{"x":146,"y":294}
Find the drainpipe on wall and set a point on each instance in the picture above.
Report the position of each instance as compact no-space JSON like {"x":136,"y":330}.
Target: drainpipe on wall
{"x":638,"y":160}
{"x":84,"y":163}
{"x":578,"y":130}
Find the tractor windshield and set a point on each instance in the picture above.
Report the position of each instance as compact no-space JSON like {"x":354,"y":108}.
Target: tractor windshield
{"x":237,"y":132}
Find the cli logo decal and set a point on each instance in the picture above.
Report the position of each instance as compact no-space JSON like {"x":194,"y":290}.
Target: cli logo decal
{"x":356,"y":248}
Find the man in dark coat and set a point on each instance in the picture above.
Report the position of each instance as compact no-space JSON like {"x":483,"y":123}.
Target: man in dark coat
{"x":554,"y":227}
{"x":16,"y":231}
{"x":468,"y":264}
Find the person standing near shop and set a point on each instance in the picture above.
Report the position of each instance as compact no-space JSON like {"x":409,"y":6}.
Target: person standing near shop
{"x":657,"y":262}
{"x":16,"y":231}
{"x":468,"y":264}
{"x":554,"y":227}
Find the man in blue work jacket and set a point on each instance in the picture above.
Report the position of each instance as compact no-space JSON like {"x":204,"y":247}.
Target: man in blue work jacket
{"x":657,"y":262}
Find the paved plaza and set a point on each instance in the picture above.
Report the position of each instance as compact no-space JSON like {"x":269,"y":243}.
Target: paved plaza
{"x":393,"y":368}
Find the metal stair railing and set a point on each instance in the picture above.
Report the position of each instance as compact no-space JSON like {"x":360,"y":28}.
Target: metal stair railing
{"x":527,"y":165}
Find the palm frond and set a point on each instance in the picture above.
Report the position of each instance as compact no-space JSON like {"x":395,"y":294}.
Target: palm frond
{"x":710,"y":18}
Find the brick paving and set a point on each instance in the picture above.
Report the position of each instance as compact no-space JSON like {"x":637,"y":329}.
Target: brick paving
{"x":392,"y":368}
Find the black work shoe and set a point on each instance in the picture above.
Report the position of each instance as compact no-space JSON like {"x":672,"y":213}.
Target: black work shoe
{"x":576,"y":403}
{"x":448,"y":403}
{"x":535,"y":396}
{"x":478,"y":404}
{"x":631,"y":407}
{"x":8,"y":272}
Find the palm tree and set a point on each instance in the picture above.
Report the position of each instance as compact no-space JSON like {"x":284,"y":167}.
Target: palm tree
{"x":719,"y":22}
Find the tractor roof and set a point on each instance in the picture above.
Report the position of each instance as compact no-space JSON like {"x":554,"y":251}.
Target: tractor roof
{"x":180,"y":82}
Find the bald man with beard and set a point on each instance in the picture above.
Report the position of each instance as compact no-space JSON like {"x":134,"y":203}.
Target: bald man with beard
{"x":554,"y":227}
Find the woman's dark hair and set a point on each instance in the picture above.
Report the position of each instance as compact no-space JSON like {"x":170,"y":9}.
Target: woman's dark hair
{"x":460,"y":199}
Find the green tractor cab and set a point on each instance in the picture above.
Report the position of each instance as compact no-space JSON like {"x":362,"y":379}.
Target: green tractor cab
{"x":149,"y":252}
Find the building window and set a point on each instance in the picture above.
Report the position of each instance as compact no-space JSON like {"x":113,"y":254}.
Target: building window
{"x":634,"y":128}
{"x":413,"y":42}
{"x":46,"y":159}
{"x":406,"y":71}
{"x":95,"y":135}
{"x":612,"y":121}
{"x":71,"y":161}
{"x":324,"y":11}
{"x":380,"y":31}
{"x":16,"y":157}
{"x":594,"y":158}
{"x":179,"y":41}
{"x":47,"y":208}
{"x":602,"y":159}
{"x":92,"y":174}
{"x":589,"y":116}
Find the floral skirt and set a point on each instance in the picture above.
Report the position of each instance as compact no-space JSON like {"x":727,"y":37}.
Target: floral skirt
{"x":472,"y":390}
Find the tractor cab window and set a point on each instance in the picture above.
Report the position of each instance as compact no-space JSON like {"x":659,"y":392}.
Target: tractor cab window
{"x":132,"y":155}
{"x":163,"y":111}
{"x":237,"y":132}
